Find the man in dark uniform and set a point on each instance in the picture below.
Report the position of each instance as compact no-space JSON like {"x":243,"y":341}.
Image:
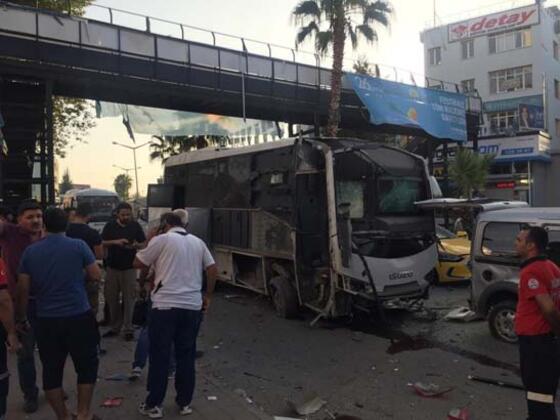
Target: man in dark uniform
{"x":537,"y":323}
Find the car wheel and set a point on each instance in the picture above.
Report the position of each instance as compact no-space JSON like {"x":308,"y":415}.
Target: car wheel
{"x":284,"y":297}
{"x":501,"y":319}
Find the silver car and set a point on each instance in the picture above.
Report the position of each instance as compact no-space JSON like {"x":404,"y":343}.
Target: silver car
{"x":495,"y":265}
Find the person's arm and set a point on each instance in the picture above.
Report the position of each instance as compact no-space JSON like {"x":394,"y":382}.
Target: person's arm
{"x":93,"y":272}
{"x":22,"y":298}
{"x":99,"y":251}
{"x":116,"y":242}
{"x":7,"y":319}
{"x":549,"y":311}
{"x":141,"y":266}
{"x":211,"y":277}
{"x":147,"y":256}
{"x":140,"y":239}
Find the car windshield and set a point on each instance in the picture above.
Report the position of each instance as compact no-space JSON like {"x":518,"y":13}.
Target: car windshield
{"x":443,"y":233}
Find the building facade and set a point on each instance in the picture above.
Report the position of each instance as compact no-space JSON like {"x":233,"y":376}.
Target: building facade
{"x":511,"y":59}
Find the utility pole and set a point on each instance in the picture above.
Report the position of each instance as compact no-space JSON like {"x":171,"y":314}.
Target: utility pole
{"x":133,"y":148}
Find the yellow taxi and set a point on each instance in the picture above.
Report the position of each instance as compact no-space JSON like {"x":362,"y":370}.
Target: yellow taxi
{"x":454,"y":256}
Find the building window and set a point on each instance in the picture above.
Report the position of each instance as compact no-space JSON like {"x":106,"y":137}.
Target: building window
{"x":557,"y":121}
{"x":555,"y":50}
{"x":435,"y":56}
{"x":510,"y":80}
{"x":501,"y":122}
{"x":467,"y":86}
{"x":510,"y":41}
{"x":467,"y":48}
{"x":557,"y":88}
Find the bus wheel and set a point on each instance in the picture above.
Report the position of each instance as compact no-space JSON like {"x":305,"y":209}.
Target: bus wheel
{"x":284,"y":297}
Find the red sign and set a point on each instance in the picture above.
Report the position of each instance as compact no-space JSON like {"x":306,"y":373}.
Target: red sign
{"x":495,"y":22}
{"x":505,"y":185}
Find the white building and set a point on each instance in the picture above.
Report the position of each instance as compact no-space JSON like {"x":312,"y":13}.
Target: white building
{"x":512,"y":59}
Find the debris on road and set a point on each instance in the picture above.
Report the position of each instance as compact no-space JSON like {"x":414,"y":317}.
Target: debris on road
{"x":243,"y":394}
{"x":112,"y":402}
{"x":310,"y":405}
{"x":212,"y":398}
{"x":429,"y":390}
{"x":461,"y":314}
{"x":497,"y":382}
{"x":458,"y":414}
{"x":285,"y":418}
{"x":358,"y":336}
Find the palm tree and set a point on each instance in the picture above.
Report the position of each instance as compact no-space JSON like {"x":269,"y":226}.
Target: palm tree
{"x":332,"y":22}
{"x":122,"y":184}
{"x":166,"y":146}
{"x":469,"y":171}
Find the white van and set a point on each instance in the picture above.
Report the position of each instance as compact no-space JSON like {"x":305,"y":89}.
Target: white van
{"x":495,"y":265}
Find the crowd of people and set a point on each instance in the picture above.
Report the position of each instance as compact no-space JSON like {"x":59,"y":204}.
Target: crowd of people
{"x":51,"y":267}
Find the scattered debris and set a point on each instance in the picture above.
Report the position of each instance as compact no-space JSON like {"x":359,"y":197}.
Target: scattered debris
{"x":243,"y":394}
{"x":252,"y":375}
{"x":461,"y":314}
{"x":310,"y":405}
{"x":497,"y":382}
{"x":458,"y":414}
{"x":117,"y":377}
{"x":284,"y":418}
{"x":212,"y":398}
{"x":216,"y":347}
{"x":429,"y":390}
{"x":112,"y":402}
{"x":230,"y":297}
{"x":358,"y":336}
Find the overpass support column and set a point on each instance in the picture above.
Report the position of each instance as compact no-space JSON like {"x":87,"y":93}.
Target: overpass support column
{"x":49,"y":134}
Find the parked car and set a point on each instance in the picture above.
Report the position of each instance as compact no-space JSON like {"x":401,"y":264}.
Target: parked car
{"x":495,"y":265}
{"x":454,"y":254}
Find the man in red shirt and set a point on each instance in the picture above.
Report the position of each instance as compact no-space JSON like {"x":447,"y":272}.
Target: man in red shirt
{"x":537,"y":323}
{"x":14,"y":239}
{"x":7,"y":335}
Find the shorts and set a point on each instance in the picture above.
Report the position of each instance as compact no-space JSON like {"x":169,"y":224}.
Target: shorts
{"x":59,"y":337}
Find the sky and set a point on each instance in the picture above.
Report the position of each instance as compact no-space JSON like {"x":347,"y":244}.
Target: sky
{"x":265,"y":20}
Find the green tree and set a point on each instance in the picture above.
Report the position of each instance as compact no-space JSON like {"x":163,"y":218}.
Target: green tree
{"x":122,"y":184}
{"x":469,"y":171}
{"x":66,"y":183}
{"x":362,"y":66}
{"x":72,"y":117}
{"x":332,"y":22}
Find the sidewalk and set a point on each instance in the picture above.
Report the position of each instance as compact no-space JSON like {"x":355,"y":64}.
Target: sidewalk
{"x":228,"y":405}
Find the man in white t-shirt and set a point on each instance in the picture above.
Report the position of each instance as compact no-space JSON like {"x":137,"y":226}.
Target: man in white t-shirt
{"x":178,"y":260}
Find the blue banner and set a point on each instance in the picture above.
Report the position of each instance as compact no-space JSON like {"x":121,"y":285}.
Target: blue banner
{"x":440,"y":114}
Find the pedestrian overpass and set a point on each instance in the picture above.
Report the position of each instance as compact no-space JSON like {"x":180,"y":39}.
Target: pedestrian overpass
{"x":43,"y":53}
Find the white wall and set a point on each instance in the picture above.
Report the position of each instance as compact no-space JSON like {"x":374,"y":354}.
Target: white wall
{"x":540,"y":55}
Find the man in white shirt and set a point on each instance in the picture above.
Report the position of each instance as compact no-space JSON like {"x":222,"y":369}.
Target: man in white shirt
{"x":178,"y":260}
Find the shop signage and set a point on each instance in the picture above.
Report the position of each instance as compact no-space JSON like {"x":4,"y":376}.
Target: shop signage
{"x":496,"y":22}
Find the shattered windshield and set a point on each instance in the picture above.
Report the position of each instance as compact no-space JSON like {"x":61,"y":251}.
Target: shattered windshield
{"x":397,"y":195}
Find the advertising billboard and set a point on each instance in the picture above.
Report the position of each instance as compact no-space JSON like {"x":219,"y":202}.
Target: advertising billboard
{"x":495,"y":22}
{"x":440,"y":114}
{"x":530,"y":117}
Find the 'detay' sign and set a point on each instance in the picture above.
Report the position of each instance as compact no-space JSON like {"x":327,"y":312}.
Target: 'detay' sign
{"x":511,"y":19}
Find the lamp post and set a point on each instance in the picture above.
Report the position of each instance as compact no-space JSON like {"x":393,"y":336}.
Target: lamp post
{"x":133,"y":148}
{"x":126,"y":170}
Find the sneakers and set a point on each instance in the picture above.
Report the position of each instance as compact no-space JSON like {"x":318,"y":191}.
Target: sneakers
{"x":151,"y":412}
{"x":185,"y":411}
{"x":171,"y":375}
{"x":136,"y":373}
{"x":129,"y":336}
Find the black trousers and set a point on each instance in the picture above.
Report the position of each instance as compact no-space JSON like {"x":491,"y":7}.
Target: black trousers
{"x":4,"y":376}
{"x":540,"y":369}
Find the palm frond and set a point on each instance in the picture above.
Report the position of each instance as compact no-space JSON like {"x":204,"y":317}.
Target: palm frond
{"x":367,"y":32}
{"x":351,"y":32}
{"x":306,"y":31}
{"x":306,"y":9}
{"x":378,"y":11}
{"x":323,"y":40}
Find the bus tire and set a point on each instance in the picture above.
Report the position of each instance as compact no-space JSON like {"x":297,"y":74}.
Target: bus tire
{"x":284,"y":297}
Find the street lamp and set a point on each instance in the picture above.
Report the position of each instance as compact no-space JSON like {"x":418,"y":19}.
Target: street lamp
{"x":126,"y":170}
{"x":133,"y":148}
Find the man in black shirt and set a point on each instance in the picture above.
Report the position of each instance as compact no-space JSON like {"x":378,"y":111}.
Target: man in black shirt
{"x":122,"y":237}
{"x":79,"y":229}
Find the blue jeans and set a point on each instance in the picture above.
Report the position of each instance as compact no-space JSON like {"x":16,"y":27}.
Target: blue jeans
{"x":166,"y":327}
{"x":26,"y":357}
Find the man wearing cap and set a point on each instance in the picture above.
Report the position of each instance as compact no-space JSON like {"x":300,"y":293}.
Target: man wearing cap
{"x":14,"y":239}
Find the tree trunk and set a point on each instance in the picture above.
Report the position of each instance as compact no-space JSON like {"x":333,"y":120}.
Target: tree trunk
{"x":336,"y":76}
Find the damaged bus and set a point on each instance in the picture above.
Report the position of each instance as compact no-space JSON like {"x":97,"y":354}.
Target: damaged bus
{"x":327,"y":224}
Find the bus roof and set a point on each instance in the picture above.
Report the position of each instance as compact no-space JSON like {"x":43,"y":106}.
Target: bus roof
{"x":91,"y":192}
{"x":212,"y":153}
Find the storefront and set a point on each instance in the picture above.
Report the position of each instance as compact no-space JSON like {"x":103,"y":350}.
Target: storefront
{"x":519,"y":163}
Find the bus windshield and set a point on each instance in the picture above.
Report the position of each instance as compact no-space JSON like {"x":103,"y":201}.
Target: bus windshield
{"x":102,"y":207}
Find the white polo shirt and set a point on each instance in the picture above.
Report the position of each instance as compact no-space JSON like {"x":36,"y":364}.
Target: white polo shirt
{"x":178,"y":261}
